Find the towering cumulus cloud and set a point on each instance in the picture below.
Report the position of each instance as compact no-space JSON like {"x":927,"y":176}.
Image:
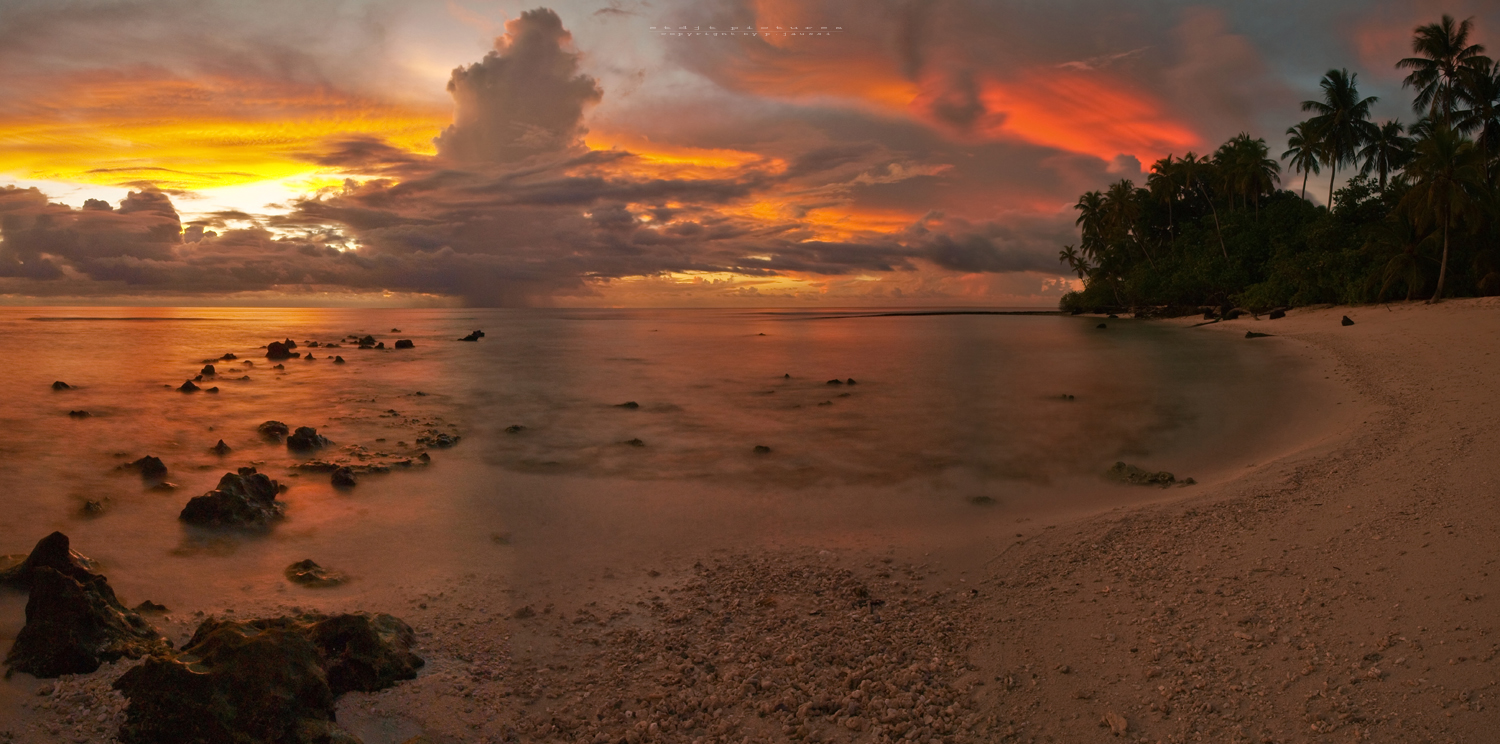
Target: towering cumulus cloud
{"x":524,"y":98}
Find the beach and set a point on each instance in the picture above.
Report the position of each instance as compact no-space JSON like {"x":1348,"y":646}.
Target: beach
{"x":1334,"y":587}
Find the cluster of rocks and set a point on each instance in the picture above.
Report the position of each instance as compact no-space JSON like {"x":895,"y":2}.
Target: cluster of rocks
{"x":243,"y":499}
{"x":1137,"y":476}
{"x":262,"y":680}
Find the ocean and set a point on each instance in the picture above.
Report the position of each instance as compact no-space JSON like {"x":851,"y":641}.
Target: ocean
{"x":593,"y":444}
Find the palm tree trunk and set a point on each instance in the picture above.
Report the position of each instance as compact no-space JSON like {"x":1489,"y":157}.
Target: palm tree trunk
{"x":1218,"y":231}
{"x":1304,"y":184}
{"x":1332,"y":176}
{"x":1437,"y":296}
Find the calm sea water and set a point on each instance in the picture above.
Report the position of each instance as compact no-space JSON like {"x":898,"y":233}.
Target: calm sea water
{"x":946,"y":409}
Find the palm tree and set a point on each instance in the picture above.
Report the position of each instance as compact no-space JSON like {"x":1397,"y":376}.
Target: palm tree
{"x":1447,"y":172}
{"x":1069,"y":255}
{"x":1260,"y":172}
{"x":1342,"y":121}
{"x":1123,"y":209}
{"x":1388,"y":150}
{"x":1481,"y":117}
{"x":1303,"y":148}
{"x":1163,"y":183}
{"x":1091,"y":219}
{"x":1442,"y":52}
{"x":1397,"y":235}
{"x":1196,"y":172}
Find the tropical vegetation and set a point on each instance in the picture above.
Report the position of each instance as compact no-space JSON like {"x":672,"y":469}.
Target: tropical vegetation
{"x":1418,"y":219}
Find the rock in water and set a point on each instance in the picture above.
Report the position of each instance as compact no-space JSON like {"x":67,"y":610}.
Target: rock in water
{"x":149,"y":467}
{"x":243,"y":499}
{"x":221,"y":448}
{"x":79,"y":414}
{"x":73,"y":626}
{"x":60,"y":385}
{"x":308,"y":573}
{"x":208,"y":369}
{"x":514,"y":429}
{"x":1140,"y":477}
{"x":761,"y":449}
{"x":835,"y":382}
{"x":475,"y":336}
{"x":277,"y":351}
{"x":272,"y":430}
{"x":272,"y":680}
{"x":344,"y":478}
{"x":628,"y":404}
{"x":51,"y":552}
{"x":338,"y":360}
{"x":306,"y":438}
{"x":188,"y":387}
{"x":405,"y":343}
{"x":1346,"y":321}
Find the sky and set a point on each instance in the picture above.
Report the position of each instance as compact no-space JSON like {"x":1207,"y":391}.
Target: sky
{"x":596,"y":153}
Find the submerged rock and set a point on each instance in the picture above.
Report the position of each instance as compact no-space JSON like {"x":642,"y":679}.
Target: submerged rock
{"x":221,"y":448}
{"x":149,"y":607}
{"x":271,"y":680}
{"x":243,"y":499}
{"x":150,"y":468}
{"x":338,"y":360}
{"x":634,"y":442}
{"x":1140,"y":477}
{"x":208,"y":369}
{"x":92,"y":508}
{"x":835,"y":381}
{"x":228,"y":358}
{"x":632,"y":405}
{"x":60,"y":385}
{"x":344,"y":478}
{"x":438,"y":439}
{"x":405,"y":343}
{"x":514,"y":429}
{"x":307,"y":438}
{"x":474,"y":336}
{"x":277,"y":351}
{"x":761,"y":449}
{"x":1101,"y":325}
{"x":308,"y":573}
{"x":188,"y":387}
{"x":1253,"y":334}
{"x":273,"y":430}
{"x":79,"y":414}
{"x":74,"y":624}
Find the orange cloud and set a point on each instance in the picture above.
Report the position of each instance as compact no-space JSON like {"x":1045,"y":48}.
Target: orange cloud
{"x":110,"y":127}
{"x":1082,"y":113}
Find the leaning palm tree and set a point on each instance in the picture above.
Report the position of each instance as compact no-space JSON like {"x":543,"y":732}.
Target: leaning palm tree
{"x":1447,"y":175}
{"x":1196,"y":174}
{"x":1442,"y":52}
{"x":1076,"y":263}
{"x":1387,"y":151}
{"x":1303,"y":147}
{"x":1343,"y":121}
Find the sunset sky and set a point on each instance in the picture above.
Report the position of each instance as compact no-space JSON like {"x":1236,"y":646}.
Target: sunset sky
{"x":496,"y":153}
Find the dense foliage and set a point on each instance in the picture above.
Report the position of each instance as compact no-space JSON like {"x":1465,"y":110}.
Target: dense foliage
{"x":1421,"y":219}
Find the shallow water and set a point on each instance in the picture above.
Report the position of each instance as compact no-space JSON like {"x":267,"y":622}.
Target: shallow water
{"x":947,"y":410}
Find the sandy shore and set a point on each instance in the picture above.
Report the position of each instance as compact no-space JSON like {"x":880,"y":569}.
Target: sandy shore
{"x":1338,"y":591}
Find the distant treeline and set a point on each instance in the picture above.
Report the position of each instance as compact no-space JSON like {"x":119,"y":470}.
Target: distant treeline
{"x":1420,"y":220}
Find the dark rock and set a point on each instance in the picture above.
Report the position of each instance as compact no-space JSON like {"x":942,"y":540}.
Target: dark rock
{"x":306,"y":438}
{"x":308,"y":573}
{"x":344,"y":478}
{"x":272,"y":680}
{"x":395,"y":330}
{"x":279,"y":366}
{"x":208,"y":369}
{"x":1137,"y":476}
{"x":150,"y":607}
{"x":338,"y":360}
{"x":51,"y":552}
{"x":212,"y":390}
{"x":761,"y":449}
{"x":1346,"y":321}
{"x":380,"y":345}
{"x":514,"y":429}
{"x":79,"y":414}
{"x":272,"y":430}
{"x":1253,"y":334}
{"x":197,"y":378}
{"x":150,"y":468}
{"x":221,"y":448}
{"x":1101,"y":325}
{"x":366,"y":342}
{"x":850,"y":381}
{"x":405,"y":343}
{"x":311,"y":358}
{"x":1277,"y":314}
{"x":475,"y":336}
{"x":982,"y":500}
{"x":188,"y":387}
{"x":243,"y":499}
{"x":60,"y":385}
{"x":438,"y":439}
{"x":74,"y":624}
{"x":164,"y":487}
{"x":629,"y":404}
{"x":92,"y":508}
{"x":787,"y":376}
{"x":1065,"y":396}
{"x":1209,"y":315}
{"x":290,"y":344}
{"x":1234,"y":314}
{"x":1112,"y":316}
{"x":634,"y":442}
{"x":228,"y":358}
{"x":311,"y":344}
{"x":277,"y":351}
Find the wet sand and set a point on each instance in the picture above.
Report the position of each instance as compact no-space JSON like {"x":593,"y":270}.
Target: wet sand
{"x":1338,"y":588}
